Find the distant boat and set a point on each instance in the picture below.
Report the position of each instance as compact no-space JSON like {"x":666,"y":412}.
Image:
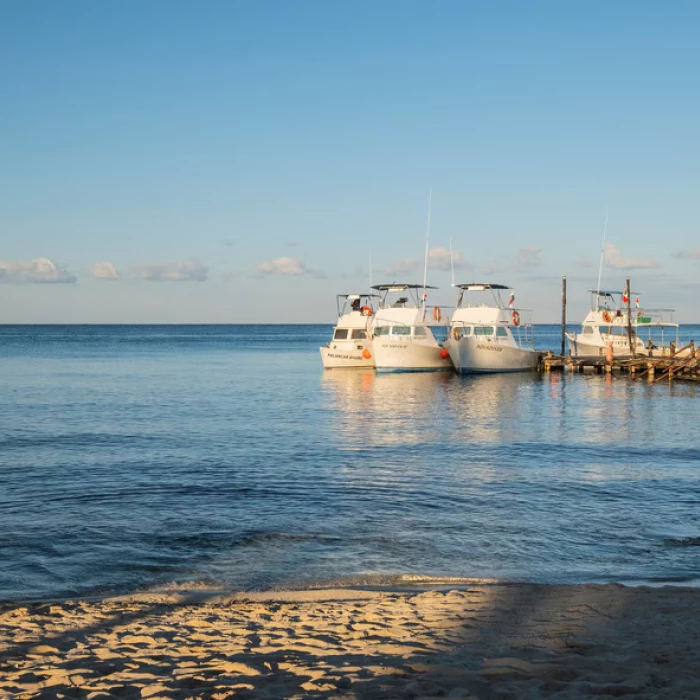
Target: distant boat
{"x":606,"y":325}
{"x":401,"y":331}
{"x":491,"y":337}
{"x":351,"y":345}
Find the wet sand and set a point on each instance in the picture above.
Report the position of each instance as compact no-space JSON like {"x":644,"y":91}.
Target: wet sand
{"x":487,"y":641}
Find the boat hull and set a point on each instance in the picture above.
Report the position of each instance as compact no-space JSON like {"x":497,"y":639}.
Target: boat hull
{"x":471,"y":356}
{"x":339,"y":357}
{"x":393,"y":356}
{"x":620,"y":348}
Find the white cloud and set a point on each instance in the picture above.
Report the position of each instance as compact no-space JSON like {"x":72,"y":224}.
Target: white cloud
{"x":37,"y":271}
{"x":495,"y":267}
{"x":401,"y":267}
{"x":615,"y":259}
{"x":287,"y":266}
{"x":524,"y":259}
{"x":442,"y":259}
{"x":438,"y":259}
{"x":104,"y":271}
{"x":689,"y":254}
{"x":191,"y":271}
{"x":527,"y":258}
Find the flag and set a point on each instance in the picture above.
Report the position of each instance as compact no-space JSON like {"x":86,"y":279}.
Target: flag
{"x":624,"y":298}
{"x":425,"y":295}
{"x":512,"y":301}
{"x":636,"y":302}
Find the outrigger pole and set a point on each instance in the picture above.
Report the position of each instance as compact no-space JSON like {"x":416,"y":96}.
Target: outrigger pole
{"x":602,"y":257}
{"x":427,"y":241}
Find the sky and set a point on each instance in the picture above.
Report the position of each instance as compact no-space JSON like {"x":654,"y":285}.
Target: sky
{"x":243,"y":162}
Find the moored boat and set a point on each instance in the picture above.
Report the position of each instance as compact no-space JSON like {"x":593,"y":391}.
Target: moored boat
{"x":403,"y":331}
{"x":612,"y":323}
{"x":351,"y":345}
{"x":490,"y":337}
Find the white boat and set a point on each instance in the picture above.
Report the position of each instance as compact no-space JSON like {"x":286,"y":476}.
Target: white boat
{"x":490,"y":337}
{"x":351,"y":345}
{"x":606,"y":325}
{"x":402,"y":331}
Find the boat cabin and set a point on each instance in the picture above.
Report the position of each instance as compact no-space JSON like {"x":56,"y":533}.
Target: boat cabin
{"x":482,"y":312}
{"x":404,"y":314}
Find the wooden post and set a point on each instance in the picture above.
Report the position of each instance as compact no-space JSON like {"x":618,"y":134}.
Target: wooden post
{"x":563,"y":314}
{"x":628,"y":294}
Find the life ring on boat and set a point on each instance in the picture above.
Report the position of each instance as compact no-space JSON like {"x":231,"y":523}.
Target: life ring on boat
{"x":366,"y":354}
{"x":516,"y":318}
{"x":606,"y":316}
{"x":437,"y":314}
{"x":366,"y":310}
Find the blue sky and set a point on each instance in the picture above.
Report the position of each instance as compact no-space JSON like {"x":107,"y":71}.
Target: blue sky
{"x":230,"y":161}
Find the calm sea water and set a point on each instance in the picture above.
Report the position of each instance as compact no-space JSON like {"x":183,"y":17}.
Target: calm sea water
{"x":139,"y":455}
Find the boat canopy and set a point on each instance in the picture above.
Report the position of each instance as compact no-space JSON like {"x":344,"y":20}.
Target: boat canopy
{"x":399,"y":287}
{"x":603,"y":293}
{"x":352,"y":297}
{"x":481,"y":287}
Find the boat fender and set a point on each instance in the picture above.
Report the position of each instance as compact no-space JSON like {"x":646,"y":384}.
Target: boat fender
{"x":366,"y":354}
{"x":366,"y":310}
{"x":437,"y":314}
{"x":444,"y":354}
{"x":516,"y":318}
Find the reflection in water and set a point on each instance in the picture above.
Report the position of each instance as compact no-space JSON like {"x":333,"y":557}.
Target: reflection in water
{"x":517,"y":475}
{"x":376,"y":409}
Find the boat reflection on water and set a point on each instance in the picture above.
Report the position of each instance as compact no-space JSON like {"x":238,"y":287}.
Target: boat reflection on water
{"x":384,"y":409}
{"x":418,"y":408}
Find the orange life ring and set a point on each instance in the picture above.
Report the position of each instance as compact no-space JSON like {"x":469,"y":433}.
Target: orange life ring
{"x":437,"y":314}
{"x":606,"y":316}
{"x":366,"y":354}
{"x":366,"y":310}
{"x":516,"y":318}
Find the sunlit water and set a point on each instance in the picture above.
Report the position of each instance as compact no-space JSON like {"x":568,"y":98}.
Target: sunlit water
{"x":138,"y":455}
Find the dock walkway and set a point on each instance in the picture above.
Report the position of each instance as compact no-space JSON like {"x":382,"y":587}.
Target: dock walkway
{"x":682,"y":364}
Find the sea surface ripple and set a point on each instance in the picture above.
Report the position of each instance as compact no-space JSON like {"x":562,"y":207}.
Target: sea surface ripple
{"x":133,"y":456}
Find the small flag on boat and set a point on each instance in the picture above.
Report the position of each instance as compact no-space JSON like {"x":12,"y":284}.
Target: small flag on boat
{"x":624,"y":298}
{"x":512,"y":301}
{"x":636,"y":302}
{"x":425,"y":295}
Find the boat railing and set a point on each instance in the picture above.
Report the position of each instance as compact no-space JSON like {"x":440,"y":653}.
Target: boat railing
{"x":520,"y":324}
{"x":522,"y":328}
{"x":438,"y":315}
{"x":653,"y":317}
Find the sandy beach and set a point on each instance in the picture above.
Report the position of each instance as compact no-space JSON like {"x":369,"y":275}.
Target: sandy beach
{"x":486,"y":641}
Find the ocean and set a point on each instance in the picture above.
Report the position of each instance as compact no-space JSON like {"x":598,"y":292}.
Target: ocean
{"x":142,"y":456}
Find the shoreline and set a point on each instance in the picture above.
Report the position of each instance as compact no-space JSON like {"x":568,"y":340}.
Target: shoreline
{"x":382,"y":583}
{"x":505,"y":640}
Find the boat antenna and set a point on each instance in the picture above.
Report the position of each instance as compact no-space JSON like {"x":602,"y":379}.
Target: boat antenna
{"x":370,"y":270}
{"x":602,"y":255}
{"x":427,"y":241}
{"x":452,"y":263}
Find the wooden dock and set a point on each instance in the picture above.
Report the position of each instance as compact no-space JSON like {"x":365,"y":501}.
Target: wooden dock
{"x":682,"y":364}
